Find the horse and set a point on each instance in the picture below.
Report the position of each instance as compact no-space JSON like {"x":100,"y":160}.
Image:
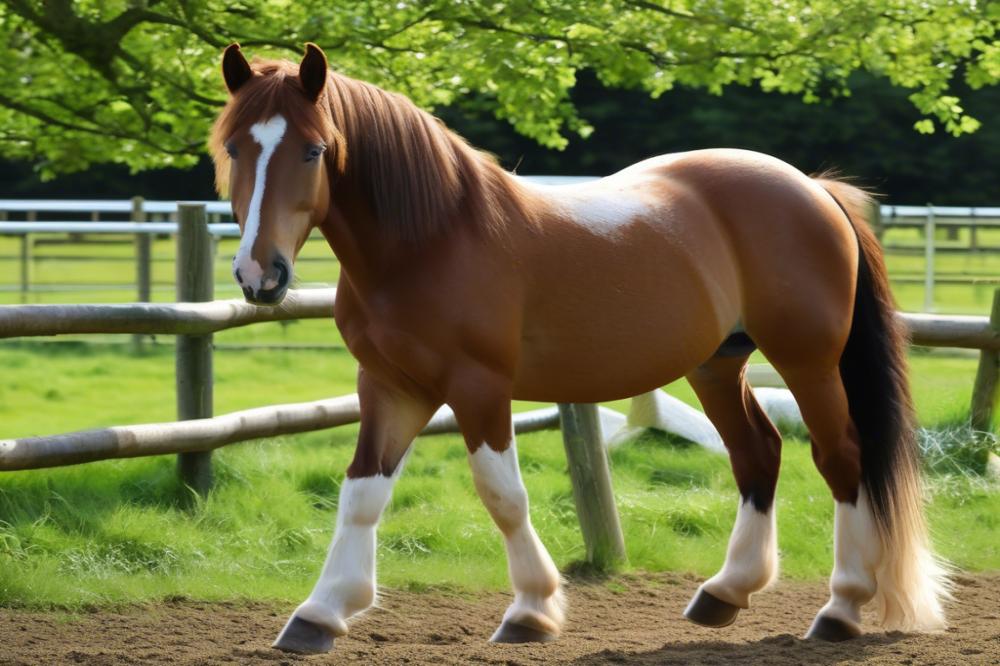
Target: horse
{"x":464,"y":285}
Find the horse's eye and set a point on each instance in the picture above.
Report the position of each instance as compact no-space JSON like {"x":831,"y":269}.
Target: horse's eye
{"x":231,"y":149}
{"x":313,"y":151}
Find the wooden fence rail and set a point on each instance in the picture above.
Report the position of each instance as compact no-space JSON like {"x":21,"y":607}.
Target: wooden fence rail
{"x":22,"y":321}
{"x":207,"y":434}
{"x":17,"y":321}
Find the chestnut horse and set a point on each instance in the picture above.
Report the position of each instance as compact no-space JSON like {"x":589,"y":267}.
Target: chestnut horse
{"x":463,"y":285}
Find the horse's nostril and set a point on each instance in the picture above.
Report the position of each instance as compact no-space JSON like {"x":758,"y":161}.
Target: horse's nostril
{"x":239,"y":278}
{"x":282,"y":273}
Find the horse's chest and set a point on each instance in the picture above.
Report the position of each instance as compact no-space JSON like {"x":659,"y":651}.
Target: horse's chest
{"x":395,"y":355}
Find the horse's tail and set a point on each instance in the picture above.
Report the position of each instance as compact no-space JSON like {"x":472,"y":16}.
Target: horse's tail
{"x":912,"y":583}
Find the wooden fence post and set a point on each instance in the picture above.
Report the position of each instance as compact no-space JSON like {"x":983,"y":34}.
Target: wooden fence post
{"x":875,"y":220}
{"x":32,"y":216}
{"x":591,"y":477}
{"x":929,"y":228}
{"x":194,"y":352}
{"x":986,"y":390}
{"x":143,"y":244}
{"x":973,"y":234}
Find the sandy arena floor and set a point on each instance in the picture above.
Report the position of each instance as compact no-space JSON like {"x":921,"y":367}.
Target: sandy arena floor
{"x":635,"y":620}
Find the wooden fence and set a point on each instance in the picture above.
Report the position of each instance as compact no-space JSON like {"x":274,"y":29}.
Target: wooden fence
{"x":198,"y":432}
{"x":929,"y":219}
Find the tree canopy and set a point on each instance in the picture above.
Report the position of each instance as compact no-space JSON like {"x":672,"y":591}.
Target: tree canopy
{"x":136,"y":81}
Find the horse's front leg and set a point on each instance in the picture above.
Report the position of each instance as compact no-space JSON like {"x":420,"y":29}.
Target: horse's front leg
{"x":537,"y":613}
{"x":389,"y":422}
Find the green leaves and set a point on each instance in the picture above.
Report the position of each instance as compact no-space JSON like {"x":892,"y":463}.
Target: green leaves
{"x":138,"y":83}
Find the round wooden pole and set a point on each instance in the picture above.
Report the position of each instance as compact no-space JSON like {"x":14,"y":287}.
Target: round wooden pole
{"x":32,"y":216}
{"x":591,"y":478}
{"x":986,"y":390}
{"x":142,"y":263}
{"x":156,"y":439}
{"x":194,"y":352}
{"x":929,"y":240}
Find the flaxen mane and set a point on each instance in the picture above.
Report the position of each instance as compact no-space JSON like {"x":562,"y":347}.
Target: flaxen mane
{"x":419,"y":177}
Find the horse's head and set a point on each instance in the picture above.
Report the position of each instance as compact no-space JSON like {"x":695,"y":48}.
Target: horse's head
{"x":270,"y":150}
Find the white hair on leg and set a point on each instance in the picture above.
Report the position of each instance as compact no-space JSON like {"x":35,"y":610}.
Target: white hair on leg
{"x":857,"y":550}
{"x":905,"y":579}
{"x":751,"y":558}
{"x":347,"y":585}
{"x":538,"y":600}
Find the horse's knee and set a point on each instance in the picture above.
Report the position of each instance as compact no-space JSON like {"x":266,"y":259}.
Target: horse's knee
{"x":498,"y":482}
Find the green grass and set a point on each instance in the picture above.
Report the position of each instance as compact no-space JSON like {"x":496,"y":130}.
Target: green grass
{"x":125,"y":530}
{"x":120,"y":531}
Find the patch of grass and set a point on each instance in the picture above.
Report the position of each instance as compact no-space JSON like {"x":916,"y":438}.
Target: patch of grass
{"x":957,"y":448}
{"x":119,"y":531}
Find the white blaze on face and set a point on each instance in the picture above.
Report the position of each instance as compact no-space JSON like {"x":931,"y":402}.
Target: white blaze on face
{"x":268,"y":135}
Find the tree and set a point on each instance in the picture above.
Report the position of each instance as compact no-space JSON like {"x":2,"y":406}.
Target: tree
{"x":136,"y":81}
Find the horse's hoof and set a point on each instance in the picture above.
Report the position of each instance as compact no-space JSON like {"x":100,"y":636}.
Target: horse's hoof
{"x":511,"y":632}
{"x":304,"y":637}
{"x":710,"y":611}
{"x":831,"y":629}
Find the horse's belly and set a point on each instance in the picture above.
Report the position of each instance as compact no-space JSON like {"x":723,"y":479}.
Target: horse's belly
{"x":612,"y":357}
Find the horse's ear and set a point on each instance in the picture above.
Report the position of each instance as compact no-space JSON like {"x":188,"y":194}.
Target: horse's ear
{"x":235,"y":68}
{"x":312,"y":71}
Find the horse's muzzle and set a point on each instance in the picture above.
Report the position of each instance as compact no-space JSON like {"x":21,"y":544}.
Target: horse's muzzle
{"x":271,"y":287}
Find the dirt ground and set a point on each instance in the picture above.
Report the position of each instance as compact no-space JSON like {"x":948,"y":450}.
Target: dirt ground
{"x":633,"y":619}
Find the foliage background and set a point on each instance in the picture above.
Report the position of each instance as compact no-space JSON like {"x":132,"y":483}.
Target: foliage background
{"x":135,"y":83}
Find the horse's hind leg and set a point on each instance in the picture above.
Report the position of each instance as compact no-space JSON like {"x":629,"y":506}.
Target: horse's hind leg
{"x":755,"y":452}
{"x":389,"y":422}
{"x":482,"y":408}
{"x":836,"y":451}
{"x":806,"y":351}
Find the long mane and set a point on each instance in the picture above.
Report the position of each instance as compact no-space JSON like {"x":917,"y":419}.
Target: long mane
{"x":418,"y":177}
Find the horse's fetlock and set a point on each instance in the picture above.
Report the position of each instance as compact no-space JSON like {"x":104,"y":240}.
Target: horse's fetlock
{"x":323,"y":614}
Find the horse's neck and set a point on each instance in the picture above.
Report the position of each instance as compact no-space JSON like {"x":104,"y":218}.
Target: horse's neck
{"x":351,"y":232}
{"x":368,"y":254}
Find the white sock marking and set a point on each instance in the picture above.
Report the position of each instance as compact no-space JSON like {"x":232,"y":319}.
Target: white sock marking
{"x":347,"y":584}
{"x":268,"y":135}
{"x":857,"y":549}
{"x":538,"y":600}
{"x":751,"y":559}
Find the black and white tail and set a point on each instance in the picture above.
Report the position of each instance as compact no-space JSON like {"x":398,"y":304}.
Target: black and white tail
{"x":912,"y":582}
